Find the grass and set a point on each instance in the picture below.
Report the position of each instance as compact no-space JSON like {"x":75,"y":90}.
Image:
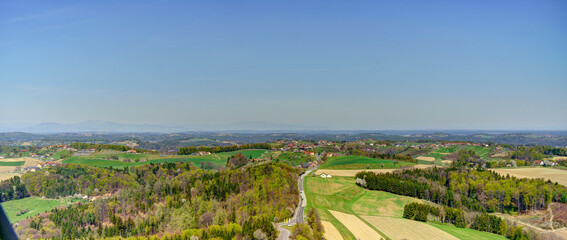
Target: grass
{"x":12,"y":164}
{"x":343,"y":195}
{"x":465,"y":233}
{"x":451,"y":149}
{"x":294,"y":159}
{"x":359,"y":162}
{"x":35,"y":205}
{"x":97,"y":160}
{"x":482,"y":152}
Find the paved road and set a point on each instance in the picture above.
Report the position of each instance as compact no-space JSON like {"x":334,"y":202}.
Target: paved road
{"x":299,"y":211}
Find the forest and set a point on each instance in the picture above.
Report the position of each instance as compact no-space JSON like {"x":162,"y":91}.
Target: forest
{"x":471,"y":190}
{"x":217,"y":149}
{"x":155,"y":199}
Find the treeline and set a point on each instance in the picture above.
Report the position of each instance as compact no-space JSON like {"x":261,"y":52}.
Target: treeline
{"x":537,"y":152}
{"x":98,"y":147}
{"x":217,"y":149}
{"x":405,"y":158}
{"x":481,"y":222}
{"x":482,"y":191}
{"x":158,"y":198}
{"x":12,"y":189}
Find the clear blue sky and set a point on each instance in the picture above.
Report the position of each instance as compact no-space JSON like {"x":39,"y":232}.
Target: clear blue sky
{"x":343,"y":64}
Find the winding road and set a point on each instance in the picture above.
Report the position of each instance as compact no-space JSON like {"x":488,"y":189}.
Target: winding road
{"x":299,"y":211}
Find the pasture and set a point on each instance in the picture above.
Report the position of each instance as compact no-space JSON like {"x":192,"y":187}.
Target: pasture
{"x":465,"y":233}
{"x":359,"y":162}
{"x":553,"y":174}
{"x":11,"y":163}
{"x":35,"y":206}
{"x":100,"y":160}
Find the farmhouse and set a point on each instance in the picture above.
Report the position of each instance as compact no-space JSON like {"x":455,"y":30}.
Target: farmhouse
{"x":324,"y":175}
{"x":131,"y":151}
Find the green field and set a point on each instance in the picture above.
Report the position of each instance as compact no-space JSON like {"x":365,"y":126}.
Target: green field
{"x":483,"y":152}
{"x":35,"y":205}
{"x":12,"y":164}
{"x":98,"y":160}
{"x":359,"y":162}
{"x":447,"y":149}
{"x":343,"y":195}
{"x":294,"y":159}
{"x":465,"y":233}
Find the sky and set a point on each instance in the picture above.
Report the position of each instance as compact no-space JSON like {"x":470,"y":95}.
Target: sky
{"x":340,"y":64}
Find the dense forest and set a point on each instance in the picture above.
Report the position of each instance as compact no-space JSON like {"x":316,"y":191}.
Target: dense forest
{"x":472,"y":190}
{"x":217,"y":149}
{"x":155,"y":199}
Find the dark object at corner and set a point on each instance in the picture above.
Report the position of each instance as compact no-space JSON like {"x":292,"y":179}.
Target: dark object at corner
{"x":6,"y":230}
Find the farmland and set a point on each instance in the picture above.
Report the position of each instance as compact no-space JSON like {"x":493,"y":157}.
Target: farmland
{"x":134,"y":159}
{"x":340,"y":198}
{"x":35,"y":206}
{"x":399,"y":228}
{"x":553,"y":174}
{"x":358,"y":162}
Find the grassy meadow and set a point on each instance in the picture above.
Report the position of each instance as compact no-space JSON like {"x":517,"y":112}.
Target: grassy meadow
{"x":12,"y":164}
{"x":137,"y":159}
{"x":35,"y":205}
{"x":359,"y":162}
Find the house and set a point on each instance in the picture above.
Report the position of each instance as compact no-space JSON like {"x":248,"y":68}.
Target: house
{"x":131,"y":151}
{"x":309,"y":153}
{"x":323,"y":175}
{"x":331,"y":154}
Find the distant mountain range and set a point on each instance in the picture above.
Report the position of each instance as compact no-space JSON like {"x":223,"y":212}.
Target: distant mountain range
{"x":113,"y":127}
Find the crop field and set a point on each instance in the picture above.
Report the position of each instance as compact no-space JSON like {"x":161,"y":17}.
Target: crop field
{"x":341,"y":194}
{"x":356,"y":226}
{"x":35,"y":206}
{"x":427,"y":159}
{"x":553,"y":174}
{"x":98,"y":160}
{"x":12,"y":163}
{"x":483,"y":152}
{"x":294,"y":159}
{"x":359,"y":162}
{"x":399,"y":228}
{"x":331,"y":233}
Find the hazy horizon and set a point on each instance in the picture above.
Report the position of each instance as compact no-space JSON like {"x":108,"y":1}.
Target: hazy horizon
{"x":341,"y":65}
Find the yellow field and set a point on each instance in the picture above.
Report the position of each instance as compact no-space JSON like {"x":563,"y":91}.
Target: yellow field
{"x":428,"y":159}
{"x":351,"y":173}
{"x":6,"y":176}
{"x":356,"y":226}
{"x":559,"y":158}
{"x":447,"y":161}
{"x":399,"y":228}
{"x":555,"y":175}
{"x":331,"y":233}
